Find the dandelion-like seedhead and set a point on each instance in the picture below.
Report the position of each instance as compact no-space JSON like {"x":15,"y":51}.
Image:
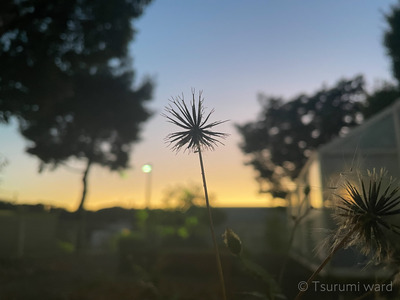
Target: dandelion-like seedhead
{"x":368,"y":209}
{"x":196,"y":132}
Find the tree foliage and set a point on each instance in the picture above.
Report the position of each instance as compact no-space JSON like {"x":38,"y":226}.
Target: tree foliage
{"x":387,"y":93}
{"x":286,"y":132}
{"x":391,"y":39}
{"x":98,"y":124}
{"x":282,"y":138}
{"x":184,"y":197}
{"x":380,"y":98}
{"x":45,"y":44}
{"x":66,"y":76}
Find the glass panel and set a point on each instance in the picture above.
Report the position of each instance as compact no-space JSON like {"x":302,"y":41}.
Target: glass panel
{"x":380,"y":134}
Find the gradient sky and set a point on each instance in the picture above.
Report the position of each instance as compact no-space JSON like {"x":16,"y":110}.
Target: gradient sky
{"x":232,"y":50}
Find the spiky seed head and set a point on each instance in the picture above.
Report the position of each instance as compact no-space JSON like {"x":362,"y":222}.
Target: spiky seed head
{"x":232,"y":241}
{"x":196,"y":130}
{"x":369,"y":208}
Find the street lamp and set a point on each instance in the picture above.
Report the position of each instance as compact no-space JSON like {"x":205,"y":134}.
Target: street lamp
{"x":147,"y":168}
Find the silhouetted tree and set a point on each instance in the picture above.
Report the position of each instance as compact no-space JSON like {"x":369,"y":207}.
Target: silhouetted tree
{"x":45,"y":44}
{"x":391,"y":39}
{"x":282,"y":138}
{"x":388,"y":93}
{"x":66,"y":76}
{"x":380,"y":98}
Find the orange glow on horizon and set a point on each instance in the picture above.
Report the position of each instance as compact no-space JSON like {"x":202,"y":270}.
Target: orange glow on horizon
{"x":230,"y":182}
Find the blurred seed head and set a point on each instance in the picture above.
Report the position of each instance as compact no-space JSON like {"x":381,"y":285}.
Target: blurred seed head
{"x":195,"y":127}
{"x":369,"y":208}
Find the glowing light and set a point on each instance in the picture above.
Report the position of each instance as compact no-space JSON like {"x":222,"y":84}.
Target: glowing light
{"x":147,"y":168}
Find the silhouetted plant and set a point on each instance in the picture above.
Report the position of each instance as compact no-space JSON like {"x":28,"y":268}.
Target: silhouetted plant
{"x":196,"y":136}
{"x":367,"y":208}
{"x":297,"y":220}
{"x":272,"y":288}
{"x":232,"y":241}
{"x":363,"y":214}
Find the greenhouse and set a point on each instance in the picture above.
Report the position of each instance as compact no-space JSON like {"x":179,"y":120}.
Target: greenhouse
{"x":373,"y":145}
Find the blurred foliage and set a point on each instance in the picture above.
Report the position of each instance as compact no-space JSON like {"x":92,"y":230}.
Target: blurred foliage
{"x":272,"y":290}
{"x":286,"y":132}
{"x":170,"y":228}
{"x":382,"y":97}
{"x":66,"y":247}
{"x":158,"y":231}
{"x":387,"y":93}
{"x":391,"y":39}
{"x":183,"y":197}
{"x":167,"y":254}
{"x":67,"y":77}
{"x":48,"y":46}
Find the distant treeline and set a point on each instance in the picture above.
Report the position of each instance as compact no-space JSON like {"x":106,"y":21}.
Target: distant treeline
{"x":106,"y":214}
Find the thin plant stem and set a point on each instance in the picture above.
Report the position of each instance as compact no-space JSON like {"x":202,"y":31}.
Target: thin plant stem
{"x":290,"y":243}
{"x":297,"y":222}
{"x":217,"y":256}
{"x":339,"y":246}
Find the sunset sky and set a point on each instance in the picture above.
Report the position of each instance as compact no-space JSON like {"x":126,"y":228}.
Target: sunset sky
{"x":232,"y":50}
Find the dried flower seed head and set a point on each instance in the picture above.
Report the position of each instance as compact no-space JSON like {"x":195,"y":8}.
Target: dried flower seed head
{"x":232,"y":241}
{"x":196,"y":133}
{"x":369,"y":209}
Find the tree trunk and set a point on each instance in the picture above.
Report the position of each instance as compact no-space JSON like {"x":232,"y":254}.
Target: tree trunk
{"x":81,"y":213}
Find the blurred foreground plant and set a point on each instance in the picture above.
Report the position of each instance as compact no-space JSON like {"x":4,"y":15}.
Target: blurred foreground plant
{"x":195,"y":136}
{"x":272,"y":288}
{"x":364,"y":215}
{"x":302,"y":213}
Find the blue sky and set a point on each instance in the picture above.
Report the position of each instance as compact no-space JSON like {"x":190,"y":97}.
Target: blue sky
{"x":277,"y":47}
{"x":232,"y":50}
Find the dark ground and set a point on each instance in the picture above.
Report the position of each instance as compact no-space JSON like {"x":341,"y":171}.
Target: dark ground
{"x":174,"y":275}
